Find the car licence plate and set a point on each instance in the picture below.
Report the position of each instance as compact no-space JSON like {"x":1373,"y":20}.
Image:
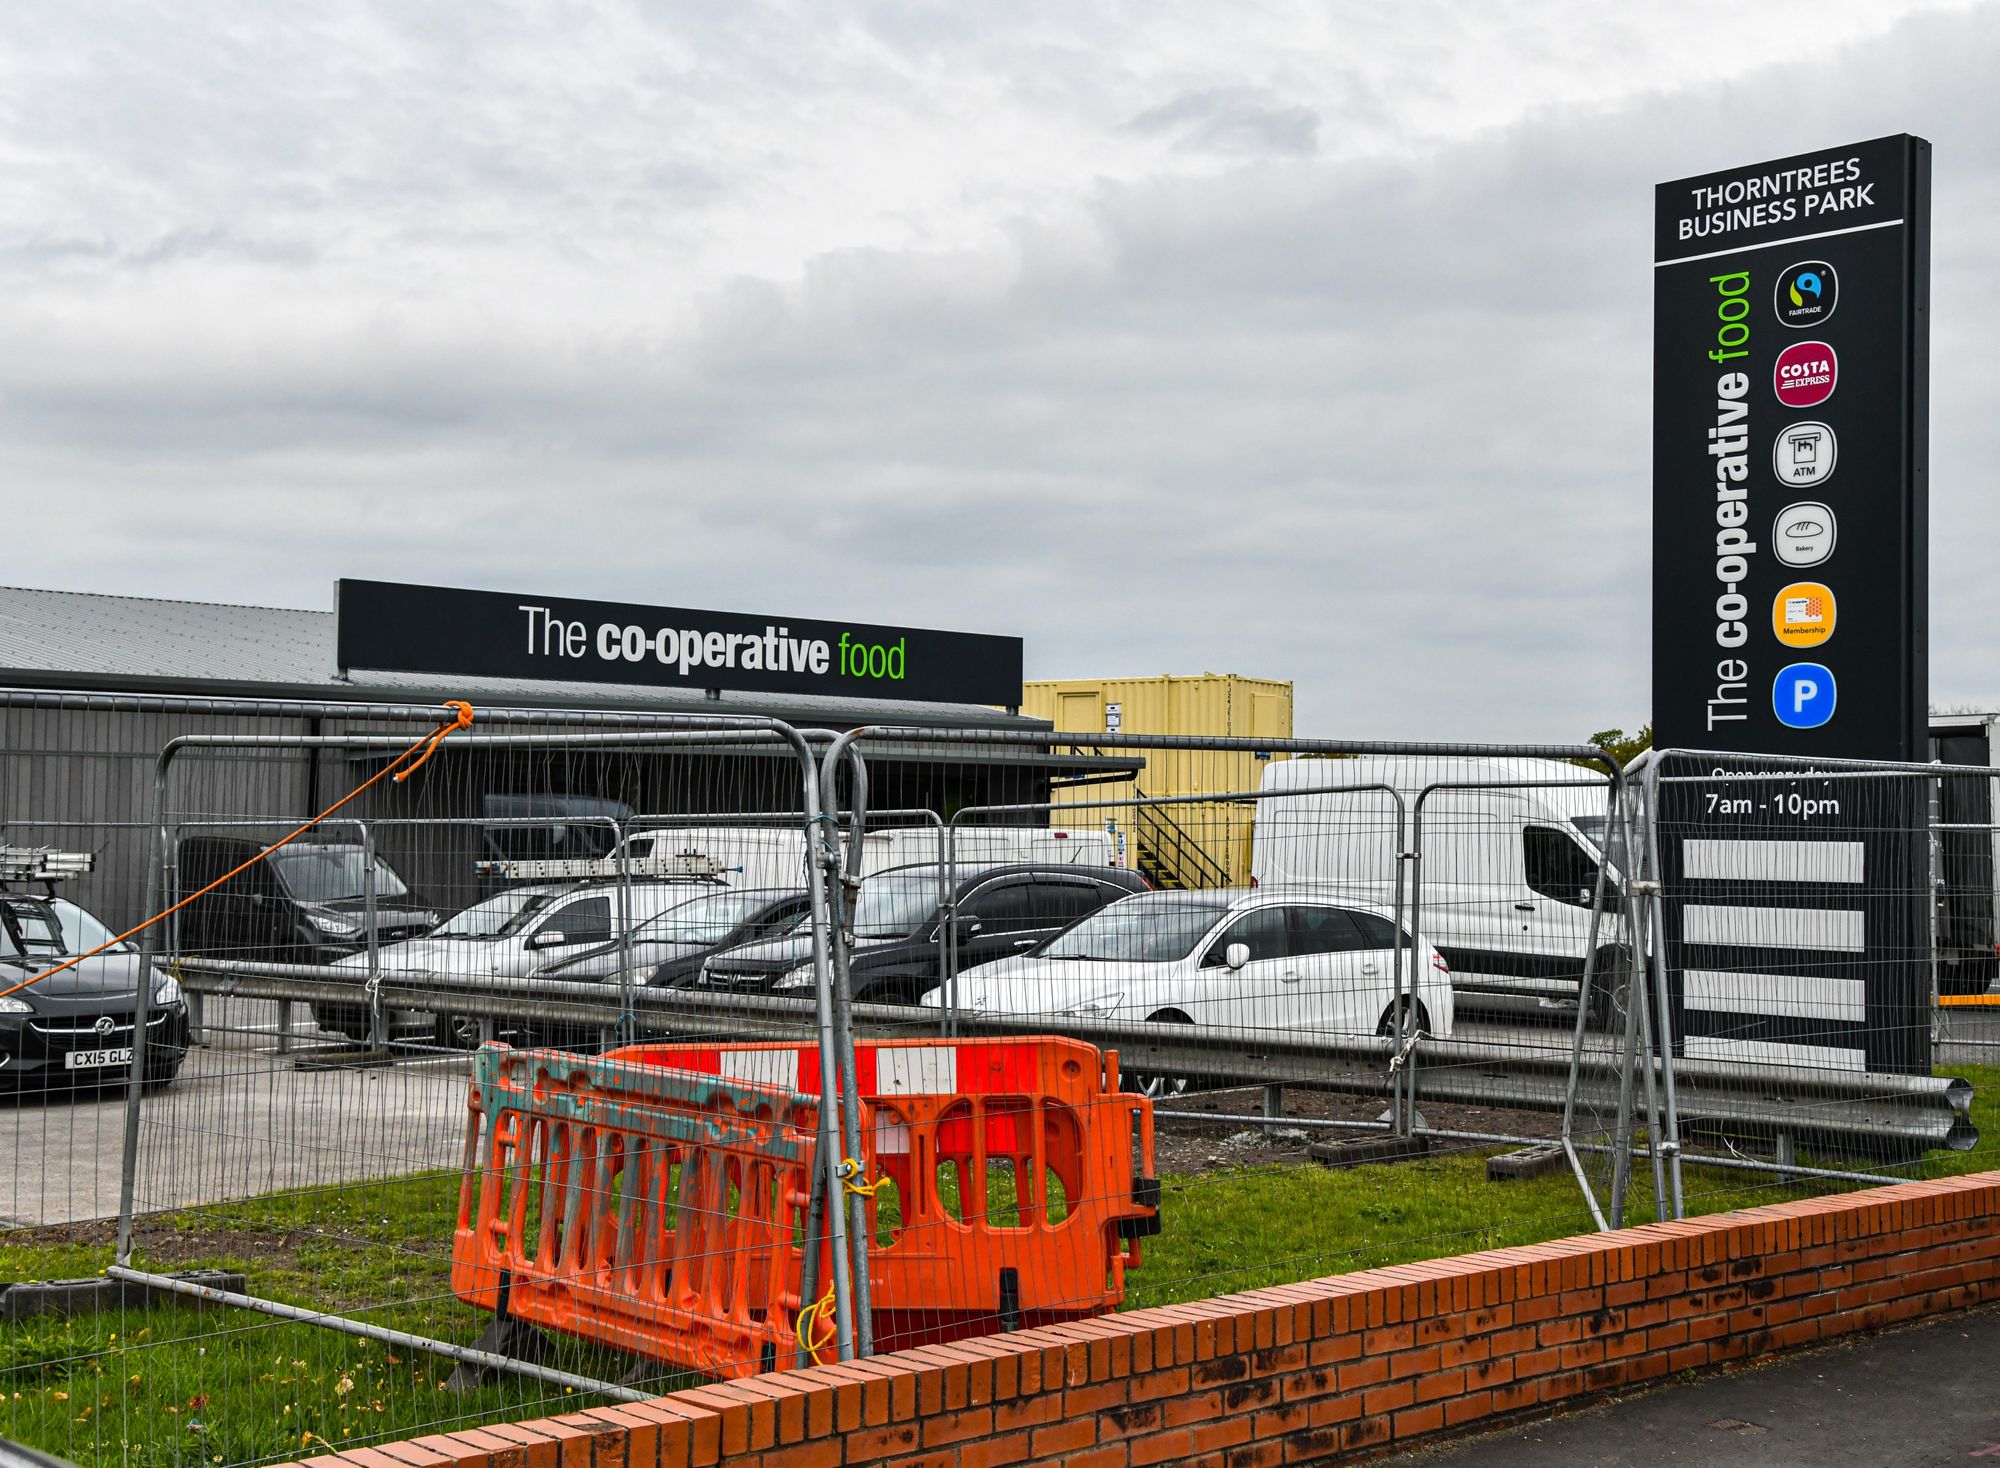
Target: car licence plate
{"x":97,"y":1059}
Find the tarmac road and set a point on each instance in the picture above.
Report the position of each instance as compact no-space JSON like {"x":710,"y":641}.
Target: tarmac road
{"x":241,"y":1120}
{"x":1917,"y":1397}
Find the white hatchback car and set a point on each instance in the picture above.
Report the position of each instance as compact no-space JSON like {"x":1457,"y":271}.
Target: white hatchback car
{"x":1264,"y":959}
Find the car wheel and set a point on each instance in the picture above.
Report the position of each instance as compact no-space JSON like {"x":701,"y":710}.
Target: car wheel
{"x":458,"y":1032}
{"x":349,"y":1021}
{"x":1611,"y":977}
{"x":1160,"y":1085}
{"x":1387,"y":1025}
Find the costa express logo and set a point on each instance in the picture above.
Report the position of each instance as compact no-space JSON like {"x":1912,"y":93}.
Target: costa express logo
{"x":1805,"y":374}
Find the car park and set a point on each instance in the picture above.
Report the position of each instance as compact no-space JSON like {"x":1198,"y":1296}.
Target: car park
{"x":670,"y":947}
{"x":775,"y":856}
{"x":1270,"y":960}
{"x":506,"y":936}
{"x":75,"y":1025}
{"x":900,"y":928}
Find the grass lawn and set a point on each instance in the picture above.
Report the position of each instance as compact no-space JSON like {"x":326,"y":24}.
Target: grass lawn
{"x":213,"y":1387}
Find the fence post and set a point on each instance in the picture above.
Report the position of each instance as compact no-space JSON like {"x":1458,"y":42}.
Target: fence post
{"x":378,"y":1022}
{"x":156,"y":873}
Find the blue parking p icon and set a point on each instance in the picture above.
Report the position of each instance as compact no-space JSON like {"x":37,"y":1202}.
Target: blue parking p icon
{"x":1803,"y":695}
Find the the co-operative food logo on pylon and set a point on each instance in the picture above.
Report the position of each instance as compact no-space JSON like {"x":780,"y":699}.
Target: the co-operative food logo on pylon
{"x":1807,"y":294}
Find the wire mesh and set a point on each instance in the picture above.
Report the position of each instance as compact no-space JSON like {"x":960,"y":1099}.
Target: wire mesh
{"x":517,"y":1066}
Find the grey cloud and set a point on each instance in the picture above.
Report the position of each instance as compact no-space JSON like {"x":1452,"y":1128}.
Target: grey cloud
{"x":1378,"y":426}
{"x":1233,"y":120}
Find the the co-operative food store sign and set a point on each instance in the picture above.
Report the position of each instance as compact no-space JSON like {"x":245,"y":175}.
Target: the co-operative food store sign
{"x":1789,"y":380}
{"x":491,"y":634}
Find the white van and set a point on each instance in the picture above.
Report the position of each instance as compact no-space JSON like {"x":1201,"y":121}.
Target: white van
{"x":1509,"y":870}
{"x":766,"y":856}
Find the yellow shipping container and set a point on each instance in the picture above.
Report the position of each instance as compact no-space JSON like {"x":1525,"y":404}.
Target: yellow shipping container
{"x":1200,"y":843}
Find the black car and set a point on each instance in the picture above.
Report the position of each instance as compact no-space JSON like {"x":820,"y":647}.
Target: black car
{"x":77,"y":1025}
{"x":300,"y":903}
{"x":670,"y":948}
{"x":899,"y":928}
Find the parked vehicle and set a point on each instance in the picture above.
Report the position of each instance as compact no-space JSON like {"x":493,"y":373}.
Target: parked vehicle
{"x":900,"y":931}
{"x":1508,"y":875}
{"x":670,"y":948}
{"x":304,"y":902}
{"x":773,"y":856}
{"x":1966,"y":858}
{"x":1264,"y":959}
{"x":78,"y":1025}
{"x":505,"y":936}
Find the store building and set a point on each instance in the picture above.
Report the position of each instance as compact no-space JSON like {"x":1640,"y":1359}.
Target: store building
{"x":93,"y":686}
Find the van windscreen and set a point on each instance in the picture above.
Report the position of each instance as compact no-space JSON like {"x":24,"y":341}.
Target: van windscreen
{"x":332,"y":873}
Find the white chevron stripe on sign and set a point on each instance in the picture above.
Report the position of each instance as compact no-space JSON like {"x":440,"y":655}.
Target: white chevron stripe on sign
{"x":1815,"y":928}
{"x":1771,"y":861}
{"x":1786,"y":994}
{"x":1771,"y":1052}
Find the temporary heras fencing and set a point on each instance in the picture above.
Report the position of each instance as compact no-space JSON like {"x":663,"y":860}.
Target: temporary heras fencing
{"x":507,"y":1087}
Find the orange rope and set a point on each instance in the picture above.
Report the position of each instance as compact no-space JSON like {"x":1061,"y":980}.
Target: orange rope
{"x":422,"y":750}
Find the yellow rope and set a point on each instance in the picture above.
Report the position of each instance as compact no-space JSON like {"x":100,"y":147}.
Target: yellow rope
{"x":812,"y":1317}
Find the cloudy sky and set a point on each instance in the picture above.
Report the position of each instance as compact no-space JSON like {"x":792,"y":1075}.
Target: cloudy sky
{"x":1306,"y":341}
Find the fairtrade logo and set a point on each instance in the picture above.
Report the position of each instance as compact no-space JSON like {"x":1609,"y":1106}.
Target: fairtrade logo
{"x":1802,"y":614}
{"x":1806,"y":294}
{"x":1804,"y":376}
{"x":1803,"y":534}
{"x":1803,"y":695}
{"x":1804,"y":454}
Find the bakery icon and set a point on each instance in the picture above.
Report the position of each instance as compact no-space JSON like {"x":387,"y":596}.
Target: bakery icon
{"x":1804,"y":533}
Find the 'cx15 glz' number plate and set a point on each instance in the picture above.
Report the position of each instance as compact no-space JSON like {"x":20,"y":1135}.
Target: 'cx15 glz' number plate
{"x":97,"y":1059}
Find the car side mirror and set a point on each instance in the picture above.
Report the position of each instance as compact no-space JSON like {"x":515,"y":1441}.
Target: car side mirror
{"x":548,"y":938}
{"x":1236,"y":954}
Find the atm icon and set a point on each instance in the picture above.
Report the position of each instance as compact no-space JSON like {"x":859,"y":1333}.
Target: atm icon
{"x":1804,"y":453}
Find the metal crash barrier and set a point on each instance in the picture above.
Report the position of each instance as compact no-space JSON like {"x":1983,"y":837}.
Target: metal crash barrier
{"x":655,"y":1200}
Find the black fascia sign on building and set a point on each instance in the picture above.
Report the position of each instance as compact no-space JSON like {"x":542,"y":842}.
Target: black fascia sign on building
{"x":1790,"y":414}
{"x":490,"y":634}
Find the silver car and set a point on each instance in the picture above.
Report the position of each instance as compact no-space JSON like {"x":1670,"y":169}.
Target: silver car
{"x":508,"y":936}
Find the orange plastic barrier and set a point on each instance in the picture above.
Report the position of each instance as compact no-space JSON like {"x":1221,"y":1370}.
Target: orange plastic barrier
{"x":654,"y":1199}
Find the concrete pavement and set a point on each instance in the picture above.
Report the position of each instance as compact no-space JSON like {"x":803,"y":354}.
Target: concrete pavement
{"x":241,"y":1120}
{"x":1916,"y":1397}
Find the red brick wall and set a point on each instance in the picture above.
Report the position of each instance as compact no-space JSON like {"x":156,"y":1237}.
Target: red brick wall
{"x":1308,"y":1372}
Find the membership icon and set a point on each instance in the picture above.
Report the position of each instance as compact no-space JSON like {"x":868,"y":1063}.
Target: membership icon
{"x":1802,"y":615}
{"x":1804,"y":454}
